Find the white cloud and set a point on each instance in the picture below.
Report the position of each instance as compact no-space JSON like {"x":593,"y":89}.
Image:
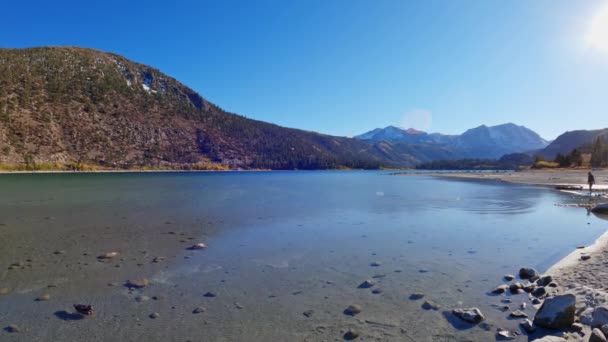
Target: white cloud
{"x":420,"y":119}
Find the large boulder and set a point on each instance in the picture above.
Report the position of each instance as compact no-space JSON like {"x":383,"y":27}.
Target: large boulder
{"x":550,"y":338}
{"x":527,"y":273}
{"x":556,"y":312}
{"x":471,"y":315}
{"x":597,"y":336}
{"x":599,"y":316}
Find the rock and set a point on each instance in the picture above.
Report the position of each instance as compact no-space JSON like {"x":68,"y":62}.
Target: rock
{"x":353,"y":310}
{"x":604,"y":329}
{"x":500,"y":289}
{"x":210,"y":295}
{"x":577,"y":327}
{"x":429,"y":305}
{"x":527,"y":273}
{"x":84,"y":309}
{"x":107,"y":256}
{"x":539,"y":292}
{"x":198,"y":310}
{"x":416,"y":295}
{"x":308,"y":313}
{"x":44,"y":298}
{"x":586,"y":257}
{"x":154,"y":315}
{"x":375,"y":264}
{"x":599,"y":316}
{"x":4,"y":291}
{"x":378,"y":276}
{"x":550,"y":338}
{"x":12,"y":329}
{"x":516,"y":287}
{"x":536,"y":301}
{"x":141,"y":299}
{"x":506,"y":300}
{"x":523,"y":305}
{"x":528,"y":326}
{"x":556,"y":312}
{"x":530,"y":287}
{"x":138,"y":283}
{"x":518,"y":314}
{"x":351,"y":335}
{"x":597,"y":336}
{"x":238,"y":306}
{"x":544,"y":280}
{"x":505,"y":335}
{"x":58,"y":252}
{"x":367,"y":284}
{"x":552,"y":284}
{"x":199,"y":245}
{"x":377,"y":291}
{"x":471,"y":315}
{"x":509,"y":277}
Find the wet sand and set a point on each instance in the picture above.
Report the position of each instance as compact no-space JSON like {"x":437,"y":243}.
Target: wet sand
{"x":532,"y":177}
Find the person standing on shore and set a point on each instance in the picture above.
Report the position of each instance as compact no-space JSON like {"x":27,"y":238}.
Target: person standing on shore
{"x":590,"y":181}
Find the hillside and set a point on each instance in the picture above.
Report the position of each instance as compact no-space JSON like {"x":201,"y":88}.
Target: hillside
{"x":479,"y":142}
{"x":573,"y":139}
{"x":62,"y":106}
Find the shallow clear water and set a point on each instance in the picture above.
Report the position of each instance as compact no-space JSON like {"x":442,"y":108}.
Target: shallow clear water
{"x":280,"y":244}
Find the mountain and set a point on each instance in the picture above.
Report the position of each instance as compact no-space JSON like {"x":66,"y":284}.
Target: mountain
{"x":478,"y":142}
{"x":68,"y":105}
{"x":570,"y":140}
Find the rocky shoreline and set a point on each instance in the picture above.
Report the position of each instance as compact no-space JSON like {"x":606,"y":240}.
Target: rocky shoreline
{"x":570,"y":301}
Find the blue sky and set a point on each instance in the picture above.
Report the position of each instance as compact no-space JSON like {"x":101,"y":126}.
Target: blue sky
{"x":346,"y":66}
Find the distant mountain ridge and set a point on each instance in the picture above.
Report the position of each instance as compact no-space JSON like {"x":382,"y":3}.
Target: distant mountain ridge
{"x":479,"y":142}
{"x":570,"y":140}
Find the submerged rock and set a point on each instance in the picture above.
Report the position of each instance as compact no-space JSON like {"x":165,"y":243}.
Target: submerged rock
{"x":471,"y":315}
{"x":351,"y":335}
{"x":376,"y":264}
{"x":199,"y":245}
{"x":505,"y":335}
{"x":141,"y":299}
{"x":556,"y":312}
{"x":416,"y":295}
{"x":500,"y":289}
{"x":308,"y":313}
{"x":138,"y":283}
{"x":154,"y":315}
{"x":198,"y":310}
{"x":44,"y":298}
{"x":353,"y":310}
{"x":518,"y":314}
{"x":210,"y":294}
{"x":527,"y":273}
{"x":367,"y":284}
{"x":430,"y":305}
{"x":509,"y":277}
{"x":528,"y":326}
{"x":12,"y":328}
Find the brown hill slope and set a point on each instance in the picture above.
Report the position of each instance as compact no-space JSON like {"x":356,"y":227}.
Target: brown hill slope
{"x":72,"y":105}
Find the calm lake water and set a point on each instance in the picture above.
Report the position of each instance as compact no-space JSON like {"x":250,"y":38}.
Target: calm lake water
{"x":279,"y":244}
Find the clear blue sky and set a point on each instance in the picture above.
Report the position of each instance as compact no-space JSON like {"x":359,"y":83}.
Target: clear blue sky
{"x":346,"y":66}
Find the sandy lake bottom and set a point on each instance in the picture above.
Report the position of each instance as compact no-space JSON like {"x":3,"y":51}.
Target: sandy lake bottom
{"x":286,"y":254}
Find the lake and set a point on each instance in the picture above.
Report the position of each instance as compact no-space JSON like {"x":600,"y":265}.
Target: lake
{"x":286,"y":254}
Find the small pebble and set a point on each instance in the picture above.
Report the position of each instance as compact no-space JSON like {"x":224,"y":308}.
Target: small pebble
{"x":44,"y":298}
{"x":351,"y":335}
{"x":210,"y":295}
{"x":308,"y":313}
{"x":353,"y":310}
{"x":154,"y":315}
{"x":12,"y":329}
{"x":198,"y":310}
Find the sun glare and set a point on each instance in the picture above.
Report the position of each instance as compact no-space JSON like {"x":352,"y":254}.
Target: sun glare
{"x":597,"y":34}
